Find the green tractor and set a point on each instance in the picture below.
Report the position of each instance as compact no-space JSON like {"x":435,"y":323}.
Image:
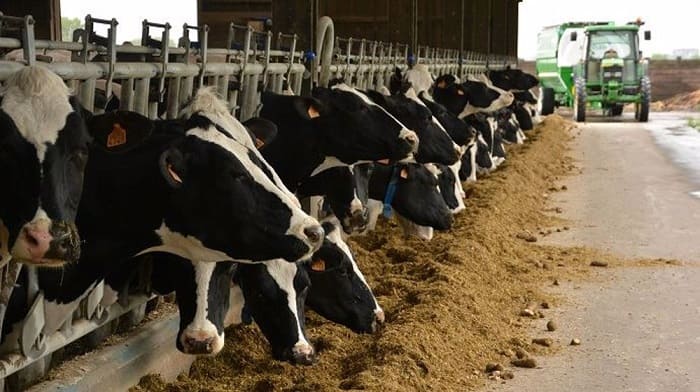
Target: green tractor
{"x":593,"y":64}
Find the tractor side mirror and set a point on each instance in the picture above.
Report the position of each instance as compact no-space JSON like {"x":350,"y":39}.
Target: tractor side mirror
{"x":647,"y":35}
{"x":573,"y":36}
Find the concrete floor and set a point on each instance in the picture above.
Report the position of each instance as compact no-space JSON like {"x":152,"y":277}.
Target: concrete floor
{"x":640,"y":330}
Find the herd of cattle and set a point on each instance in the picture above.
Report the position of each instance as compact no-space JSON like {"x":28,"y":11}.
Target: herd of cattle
{"x":213,"y":204}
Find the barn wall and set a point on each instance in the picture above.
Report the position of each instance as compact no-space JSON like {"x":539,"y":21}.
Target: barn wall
{"x":46,"y":13}
{"x":490,"y":26}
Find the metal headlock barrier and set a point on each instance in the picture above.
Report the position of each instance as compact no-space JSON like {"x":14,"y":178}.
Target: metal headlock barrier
{"x":155,"y":79}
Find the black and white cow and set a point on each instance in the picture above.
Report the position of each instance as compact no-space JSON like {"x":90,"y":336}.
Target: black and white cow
{"x":337,"y":186}
{"x":43,"y":152}
{"x":185,"y":188}
{"x":416,"y":198}
{"x":337,"y":127}
{"x":202,"y":294}
{"x":468,"y":97}
{"x":436,"y":145}
{"x":274,"y":294}
{"x":339,"y":290}
{"x":512,"y":79}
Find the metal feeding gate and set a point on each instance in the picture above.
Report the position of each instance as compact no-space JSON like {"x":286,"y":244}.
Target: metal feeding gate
{"x":155,"y":80}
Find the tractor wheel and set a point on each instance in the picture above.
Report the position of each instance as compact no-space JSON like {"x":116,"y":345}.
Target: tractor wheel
{"x":642,"y":108}
{"x":580,"y":100}
{"x":616,"y":110}
{"x":546,"y":102}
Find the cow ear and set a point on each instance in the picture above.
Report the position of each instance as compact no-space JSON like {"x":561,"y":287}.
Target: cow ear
{"x":262,"y":131}
{"x":172,"y":165}
{"x":119,"y":131}
{"x":308,"y":108}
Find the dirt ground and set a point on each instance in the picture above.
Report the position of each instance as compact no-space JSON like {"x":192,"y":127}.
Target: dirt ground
{"x":453,"y":304}
{"x":681,"y":102}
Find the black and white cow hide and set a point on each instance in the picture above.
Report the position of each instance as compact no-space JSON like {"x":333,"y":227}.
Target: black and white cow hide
{"x":43,"y":152}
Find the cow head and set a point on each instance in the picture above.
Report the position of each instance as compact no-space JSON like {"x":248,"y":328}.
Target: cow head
{"x":469,"y":97}
{"x":436,"y":145}
{"x":339,"y":291}
{"x":218,"y":200}
{"x":417,"y":198}
{"x":467,"y":170}
{"x":456,"y":128}
{"x":202,"y":293}
{"x":43,"y":153}
{"x":338,"y":187}
{"x":219,"y":188}
{"x":450,"y":186}
{"x":273,"y":294}
{"x":363,"y":129}
{"x":513,"y":79}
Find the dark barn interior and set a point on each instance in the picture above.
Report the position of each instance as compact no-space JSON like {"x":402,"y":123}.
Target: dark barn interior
{"x":486,"y":26}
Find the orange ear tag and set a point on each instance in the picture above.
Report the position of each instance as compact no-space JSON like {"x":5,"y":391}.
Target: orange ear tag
{"x":259,"y":143}
{"x":117,"y":137}
{"x":318,"y":265}
{"x":404,"y":174}
{"x":313,"y":113}
{"x":174,"y":175}
{"x":442,"y":84}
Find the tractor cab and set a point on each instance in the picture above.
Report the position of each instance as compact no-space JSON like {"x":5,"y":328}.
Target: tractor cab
{"x":598,"y":65}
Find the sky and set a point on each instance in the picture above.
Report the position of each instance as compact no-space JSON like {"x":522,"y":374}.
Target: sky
{"x":673,"y":23}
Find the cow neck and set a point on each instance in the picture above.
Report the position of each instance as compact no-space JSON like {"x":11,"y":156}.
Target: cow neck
{"x":390,"y":192}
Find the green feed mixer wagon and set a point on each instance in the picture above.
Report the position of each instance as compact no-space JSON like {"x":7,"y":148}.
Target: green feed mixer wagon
{"x":594,"y":65}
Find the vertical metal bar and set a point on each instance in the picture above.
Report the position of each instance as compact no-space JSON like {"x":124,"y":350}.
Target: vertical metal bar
{"x":28,"y":44}
{"x":87,"y":94}
{"x":173,"y":98}
{"x":186,"y":88}
{"x":203,"y":47}
{"x":141,"y":95}
{"x":127,"y":98}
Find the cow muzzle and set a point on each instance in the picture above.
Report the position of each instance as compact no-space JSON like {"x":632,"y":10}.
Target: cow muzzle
{"x":356,"y":221}
{"x":411,"y":138}
{"x":201,"y":343}
{"x":302,"y":354}
{"x":46,"y":243}
{"x":378,"y":319}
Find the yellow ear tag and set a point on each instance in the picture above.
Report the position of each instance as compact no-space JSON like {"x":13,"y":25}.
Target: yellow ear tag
{"x":174,"y":175}
{"x":259,"y":143}
{"x":318,"y":265}
{"x":460,"y":92}
{"x":117,"y":137}
{"x":404,"y":173}
{"x":383,"y":161}
{"x":313,"y":113}
{"x":442,"y":84}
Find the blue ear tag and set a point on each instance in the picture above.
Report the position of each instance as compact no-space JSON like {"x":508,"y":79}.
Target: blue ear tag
{"x":391,"y":192}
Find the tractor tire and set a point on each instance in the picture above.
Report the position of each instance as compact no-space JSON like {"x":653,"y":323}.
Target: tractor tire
{"x":616,"y":110}
{"x":580,"y":100}
{"x":642,"y":108}
{"x":546,"y":102}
